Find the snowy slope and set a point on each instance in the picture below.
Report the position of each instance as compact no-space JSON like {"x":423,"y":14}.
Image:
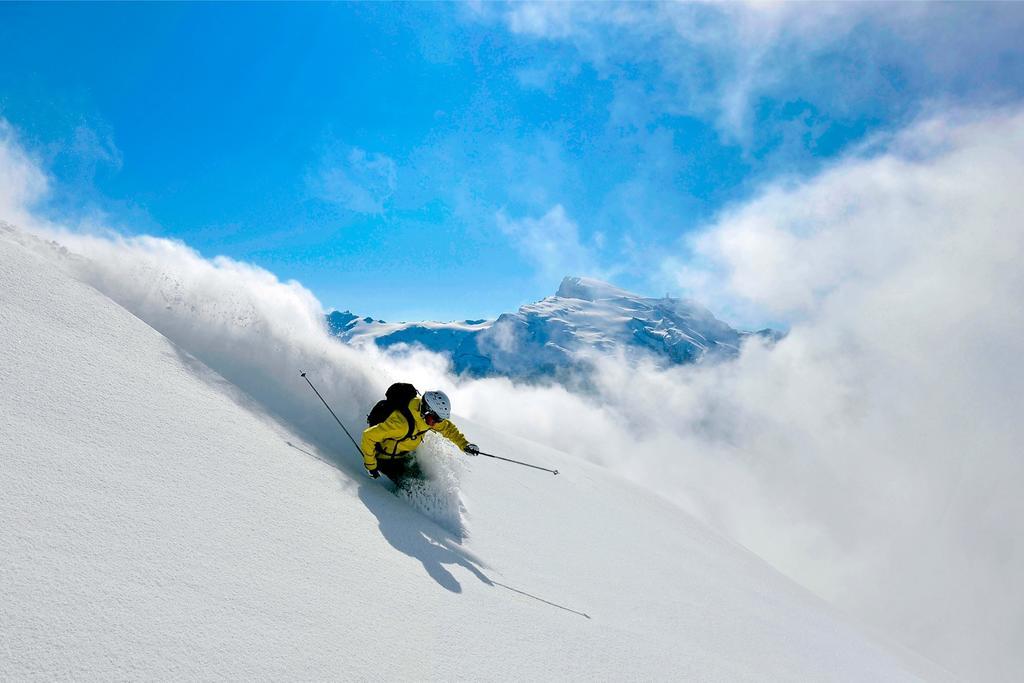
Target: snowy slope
{"x":558,"y":334}
{"x":159,"y":522}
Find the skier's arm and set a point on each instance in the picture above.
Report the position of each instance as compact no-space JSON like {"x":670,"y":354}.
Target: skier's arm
{"x":395,"y":427}
{"x":451,"y":432}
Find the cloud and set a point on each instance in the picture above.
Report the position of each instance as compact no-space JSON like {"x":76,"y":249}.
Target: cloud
{"x":361,"y":182}
{"x":714,"y":57}
{"x":724,"y":60}
{"x":787,"y":250}
{"x":547,"y":20}
{"x":551,"y":243}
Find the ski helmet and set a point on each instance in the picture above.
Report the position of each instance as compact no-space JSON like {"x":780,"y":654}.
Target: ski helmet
{"x":437,"y":402}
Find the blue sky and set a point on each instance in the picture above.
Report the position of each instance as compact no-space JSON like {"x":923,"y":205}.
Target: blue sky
{"x":450,"y":161}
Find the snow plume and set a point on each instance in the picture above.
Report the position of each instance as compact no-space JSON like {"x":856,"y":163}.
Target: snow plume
{"x":873,"y":454}
{"x":22,"y":182}
{"x":259,"y":334}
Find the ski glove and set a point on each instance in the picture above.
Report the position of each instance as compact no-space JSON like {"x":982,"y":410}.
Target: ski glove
{"x":373,"y":473}
{"x":472,"y":449}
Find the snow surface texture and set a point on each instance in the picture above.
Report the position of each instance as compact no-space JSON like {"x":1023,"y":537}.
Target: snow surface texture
{"x":437,"y":495}
{"x":172,"y":511}
{"x":560,"y":334}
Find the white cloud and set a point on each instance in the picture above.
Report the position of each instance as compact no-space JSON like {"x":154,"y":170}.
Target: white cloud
{"x":715,"y":56}
{"x":793,"y":245}
{"x":717,"y":60}
{"x":549,"y":20}
{"x":552,"y":243}
{"x":362,"y":182}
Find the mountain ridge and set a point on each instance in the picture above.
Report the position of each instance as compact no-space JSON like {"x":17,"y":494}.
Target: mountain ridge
{"x":563,"y":333}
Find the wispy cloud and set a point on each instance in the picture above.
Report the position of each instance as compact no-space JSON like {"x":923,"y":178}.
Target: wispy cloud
{"x":723,"y":60}
{"x":361,"y":181}
{"x":551,"y":243}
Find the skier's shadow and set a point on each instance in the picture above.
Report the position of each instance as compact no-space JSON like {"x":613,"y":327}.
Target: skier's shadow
{"x":409,"y":532}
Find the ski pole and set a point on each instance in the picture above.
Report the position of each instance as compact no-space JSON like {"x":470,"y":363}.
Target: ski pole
{"x":498,"y":457}
{"x":303,"y":376}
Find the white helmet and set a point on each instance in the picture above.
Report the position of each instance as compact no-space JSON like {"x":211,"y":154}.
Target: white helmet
{"x":437,"y":402}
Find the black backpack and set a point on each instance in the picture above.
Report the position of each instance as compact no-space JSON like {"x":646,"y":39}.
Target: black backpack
{"x":397,"y":398}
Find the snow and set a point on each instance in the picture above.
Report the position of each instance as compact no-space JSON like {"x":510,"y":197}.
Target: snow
{"x":171,"y":511}
{"x":560,"y":334}
{"x":589,"y":289}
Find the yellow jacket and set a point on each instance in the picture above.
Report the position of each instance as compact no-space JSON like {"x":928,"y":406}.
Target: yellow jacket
{"x":387,"y":439}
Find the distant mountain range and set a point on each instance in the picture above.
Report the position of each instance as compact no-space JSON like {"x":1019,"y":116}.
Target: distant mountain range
{"x":563,"y":333}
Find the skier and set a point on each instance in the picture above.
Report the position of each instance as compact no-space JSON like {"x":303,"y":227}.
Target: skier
{"x":388,"y":446}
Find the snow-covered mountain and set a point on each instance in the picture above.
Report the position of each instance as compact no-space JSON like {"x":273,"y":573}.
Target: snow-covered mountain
{"x":177,"y":504}
{"x":562,"y":333}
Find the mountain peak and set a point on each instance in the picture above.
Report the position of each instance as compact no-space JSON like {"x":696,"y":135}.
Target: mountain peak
{"x":560,"y":333}
{"x":589,"y":289}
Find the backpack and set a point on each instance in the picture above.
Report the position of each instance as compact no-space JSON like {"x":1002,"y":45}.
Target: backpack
{"x":397,"y":397}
